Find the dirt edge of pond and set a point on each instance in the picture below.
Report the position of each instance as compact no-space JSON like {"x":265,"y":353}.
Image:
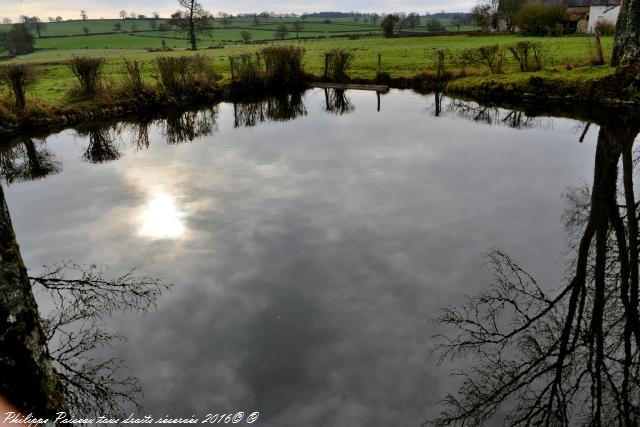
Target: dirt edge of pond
{"x":620,"y":90}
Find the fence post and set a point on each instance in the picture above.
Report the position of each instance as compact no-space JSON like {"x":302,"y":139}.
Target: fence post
{"x":379,"y":67}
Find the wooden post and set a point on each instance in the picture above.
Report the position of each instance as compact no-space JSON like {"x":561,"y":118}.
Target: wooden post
{"x":378,"y":95}
{"x":599,"y":55}
{"x":379,"y":67}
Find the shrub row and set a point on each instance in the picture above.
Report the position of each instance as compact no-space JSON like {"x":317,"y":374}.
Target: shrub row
{"x":529,"y":55}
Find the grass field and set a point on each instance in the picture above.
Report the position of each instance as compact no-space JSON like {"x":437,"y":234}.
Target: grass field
{"x":138,"y":34}
{"x":401,"y":57}
{"x":76,"y":27}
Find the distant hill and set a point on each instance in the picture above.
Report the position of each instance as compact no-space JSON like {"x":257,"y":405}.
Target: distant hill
{"x":439,"y":15}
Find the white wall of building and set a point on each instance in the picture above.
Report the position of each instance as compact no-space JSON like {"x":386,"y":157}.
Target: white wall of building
{"x":602,"y":13}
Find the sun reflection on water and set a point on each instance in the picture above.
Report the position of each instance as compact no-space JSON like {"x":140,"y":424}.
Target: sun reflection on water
{"x":162,"y":218}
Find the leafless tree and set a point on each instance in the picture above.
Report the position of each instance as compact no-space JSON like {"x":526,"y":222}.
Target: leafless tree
{"x":226,"y":19}
{"x":297,"y":27}
{"x":83,"y":15}
{"x":35,"y":24}
{"x":192,"y":19}
{"x":281,"y":31}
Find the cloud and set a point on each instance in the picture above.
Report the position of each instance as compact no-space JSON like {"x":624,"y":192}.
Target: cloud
{"x":70,"y":9}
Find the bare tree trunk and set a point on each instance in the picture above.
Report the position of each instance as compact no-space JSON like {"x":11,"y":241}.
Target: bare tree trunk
{"x":192,"y":27}
{"x":626,"y":46}
{"x":192,"y":37}
{"x":27,"y":377}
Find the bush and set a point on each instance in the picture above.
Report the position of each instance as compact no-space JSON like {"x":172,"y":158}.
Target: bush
{"x":434,"y":26}
{"x":389,"y":24}
{"x":88,"y":71}
{"x":606,"y":28}
{"x":185,"y":74}
{"x":18,"y":40}
{"x":281,"y":31}
{"x":541,"y":19}
{"x":337,"y":62}
{"x":283,"y":64}
{"x":492,"y":56}
{"x":530,"y":55}
{"x":246,"y":69}
{"x":246,"y":36}
{"x":18,"y":77}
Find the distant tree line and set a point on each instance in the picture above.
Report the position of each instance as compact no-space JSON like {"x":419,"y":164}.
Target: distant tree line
{"x":533,"y":18}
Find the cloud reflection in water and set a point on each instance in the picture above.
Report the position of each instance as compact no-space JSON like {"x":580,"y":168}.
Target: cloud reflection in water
{"x":162,"y":218}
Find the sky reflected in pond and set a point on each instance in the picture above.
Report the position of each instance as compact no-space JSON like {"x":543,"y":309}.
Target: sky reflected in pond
{"x":161,"y":218}
{"x":308,"y":255}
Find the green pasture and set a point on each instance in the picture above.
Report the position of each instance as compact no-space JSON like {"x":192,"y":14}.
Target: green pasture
{"x":102,"y":33}
{"x":401,"y":57}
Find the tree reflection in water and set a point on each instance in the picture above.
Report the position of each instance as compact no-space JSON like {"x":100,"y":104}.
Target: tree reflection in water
{"x":82,"y":297}
{"x":186,"y":126}
{"x":25,"y":159}
{"x":492,"y":115}
{"x":138,"y":132}
{"x":566,"y":356}
{"x":547,"y":358}
{"x":281,"y":108}
{"x":102,"y":145}
{"x":337,"y":102}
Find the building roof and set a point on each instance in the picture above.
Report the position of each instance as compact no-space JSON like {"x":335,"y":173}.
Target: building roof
{"x":582,"y":3}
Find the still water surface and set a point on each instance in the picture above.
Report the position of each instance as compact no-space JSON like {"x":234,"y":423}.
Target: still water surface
{"x":307,"y":255}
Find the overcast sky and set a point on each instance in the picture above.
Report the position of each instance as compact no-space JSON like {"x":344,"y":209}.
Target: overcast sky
{"x":70,"y":9}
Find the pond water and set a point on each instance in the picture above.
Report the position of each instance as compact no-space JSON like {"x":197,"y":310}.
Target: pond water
{"x":309,"y":242}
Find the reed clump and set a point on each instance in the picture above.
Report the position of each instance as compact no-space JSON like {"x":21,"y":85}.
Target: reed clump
{"x":274,"y":66}
{"x":18,"y":77}
{"x":283,"y":64}
{"x":88,"y":70}
{"x":185,"y":75}
{"x":337,"y":63}
{"x":246,"y":70}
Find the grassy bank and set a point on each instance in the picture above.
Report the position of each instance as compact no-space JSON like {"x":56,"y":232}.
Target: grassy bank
{"x":406,"y":62}
{"x":401,"y":58}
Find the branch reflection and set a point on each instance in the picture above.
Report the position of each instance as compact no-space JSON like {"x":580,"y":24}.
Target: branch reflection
{"x":281,"y":108}
{"x":25,"y":160}
{"x":337,"y":102}
{"x":570,"y":355}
